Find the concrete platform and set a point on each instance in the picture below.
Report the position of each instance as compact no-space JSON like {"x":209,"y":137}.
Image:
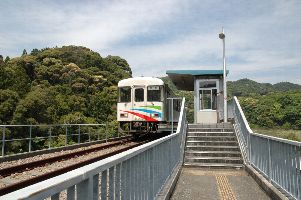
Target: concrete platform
{"x":213,"y":184}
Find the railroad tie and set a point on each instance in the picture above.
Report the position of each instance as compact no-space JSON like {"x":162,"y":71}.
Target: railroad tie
{"x":225,"y":190}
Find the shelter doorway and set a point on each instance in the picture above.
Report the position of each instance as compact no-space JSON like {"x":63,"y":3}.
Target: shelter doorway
{"x":206,"y":100}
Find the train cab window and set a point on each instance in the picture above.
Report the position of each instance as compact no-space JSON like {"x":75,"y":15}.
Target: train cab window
{"x":153,"y":93}
{"x":139,"y":94}
{"x":125,"y":94}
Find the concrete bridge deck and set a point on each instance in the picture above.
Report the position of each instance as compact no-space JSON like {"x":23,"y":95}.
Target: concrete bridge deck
{"x":214,"y":184}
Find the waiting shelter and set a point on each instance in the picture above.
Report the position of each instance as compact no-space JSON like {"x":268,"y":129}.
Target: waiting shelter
{"x":208,"y":92}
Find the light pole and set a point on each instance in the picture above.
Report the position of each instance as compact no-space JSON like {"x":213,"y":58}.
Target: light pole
{"x":222,"y":37}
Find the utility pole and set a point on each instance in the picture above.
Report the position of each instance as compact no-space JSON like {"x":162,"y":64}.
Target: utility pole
{"x":222,"y":37}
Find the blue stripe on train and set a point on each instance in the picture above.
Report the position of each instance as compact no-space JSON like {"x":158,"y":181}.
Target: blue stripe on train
{"x":148,"y":111}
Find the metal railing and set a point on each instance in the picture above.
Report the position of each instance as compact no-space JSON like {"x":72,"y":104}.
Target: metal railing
{"x":139,"y":173}
{"x":173,"y":111}
{"x":67,"y":133}
{"x":277,"y":159}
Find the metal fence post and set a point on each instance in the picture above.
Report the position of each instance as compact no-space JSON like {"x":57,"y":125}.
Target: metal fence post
{"x":66,"y":137}
{"x":168,"y":150}
{"x":29,"y":145}
{"x":249,"y":148}
{"x":172,"y":115}
{"x":89,"y":135}
{"x":71,"y":193}
{"x":3,"y":141}
{"x":270,"y":161}
{"x":78,"y":137}
{"x":49,"y":138}
{"x":151,"y":174}
{"x":103,"y":186}
{"x":106,"y":132}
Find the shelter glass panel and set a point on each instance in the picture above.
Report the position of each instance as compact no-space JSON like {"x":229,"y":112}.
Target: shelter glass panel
{"x":206,"y":99}
{"x":208,"y":84}
{"x":214,"y":99}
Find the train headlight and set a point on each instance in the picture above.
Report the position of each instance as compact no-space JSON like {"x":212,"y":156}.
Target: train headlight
{"x":123,"y":115}
{"x":155,"y":115}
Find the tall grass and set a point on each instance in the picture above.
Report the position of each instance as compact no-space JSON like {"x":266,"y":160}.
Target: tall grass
{"x":289,"y":134}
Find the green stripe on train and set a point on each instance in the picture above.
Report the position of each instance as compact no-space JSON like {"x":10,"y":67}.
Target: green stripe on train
{"x":154,"y":107}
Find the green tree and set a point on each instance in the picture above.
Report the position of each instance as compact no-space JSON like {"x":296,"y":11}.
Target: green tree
{"x":24,"y":52}
{"x":1,"y":60}
{"x":16,"y":77}
{"x":36,"y":108}
{"x":102,"y":105}
{"x":118,"y":62}
{"x":274,"y":110}
{"x":8,"y":102}
{"x":34,"y":52}
{"x":7,"y":58}
{"x":68,"y":84}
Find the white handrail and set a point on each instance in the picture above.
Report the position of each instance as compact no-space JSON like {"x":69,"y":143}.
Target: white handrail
{"x":243,"y":115}
{"x":277,"y":159}
{"x":83,"y":177}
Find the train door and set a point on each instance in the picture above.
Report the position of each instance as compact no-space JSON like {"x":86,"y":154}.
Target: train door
{"x":138,"y":102}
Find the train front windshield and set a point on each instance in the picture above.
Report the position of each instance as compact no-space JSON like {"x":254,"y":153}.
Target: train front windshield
{"x":153,"y":93}
{"x":125,"y":94}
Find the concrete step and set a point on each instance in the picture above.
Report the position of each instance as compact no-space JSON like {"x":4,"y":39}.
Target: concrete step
{"x":210,"y":129}
{"x":214,"y":165}
{"x":212,"y":143}
{"x":232,"y":160}
{"x":229,"y":133}
{"x":211,"y":148}
{"x":219,"y":125}
{"x":191,"y":153}
{"x":211,"y":138}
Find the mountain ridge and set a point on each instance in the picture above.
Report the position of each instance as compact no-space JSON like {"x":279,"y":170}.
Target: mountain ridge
{"x":248,"y":87}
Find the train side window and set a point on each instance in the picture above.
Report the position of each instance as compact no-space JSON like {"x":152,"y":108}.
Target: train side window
{"x":125,"y":94}
{"x":139,"y":94}
{"x":153,"y":93}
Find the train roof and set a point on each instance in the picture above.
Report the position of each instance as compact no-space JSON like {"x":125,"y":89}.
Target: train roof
{"x":140,"y":81}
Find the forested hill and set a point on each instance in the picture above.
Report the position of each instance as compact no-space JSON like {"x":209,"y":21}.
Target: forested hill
{"x":70,"y":84}
{"x":247,"y":87}
{"x":264,"y":104}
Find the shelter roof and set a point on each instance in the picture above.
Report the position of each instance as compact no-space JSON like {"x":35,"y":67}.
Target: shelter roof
{"x":184,"y":79}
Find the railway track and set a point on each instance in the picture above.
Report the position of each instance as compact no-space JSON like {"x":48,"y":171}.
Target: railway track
{"x":7,"y":171}
{"x":22,"y":175}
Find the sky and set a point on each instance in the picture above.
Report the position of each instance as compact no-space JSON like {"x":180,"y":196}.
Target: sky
{"x":263,"y":38}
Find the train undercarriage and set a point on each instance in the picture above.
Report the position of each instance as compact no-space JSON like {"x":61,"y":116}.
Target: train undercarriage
{"x":142,"y":127}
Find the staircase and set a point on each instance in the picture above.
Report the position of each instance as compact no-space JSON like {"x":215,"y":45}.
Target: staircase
{"x":212,"y":145}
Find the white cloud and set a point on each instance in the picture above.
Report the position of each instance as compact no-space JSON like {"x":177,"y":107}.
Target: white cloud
{"x":260,"y":36}
{"x":156,"y":58}
{"x":99,"y":25}
{"x":265,"y":42}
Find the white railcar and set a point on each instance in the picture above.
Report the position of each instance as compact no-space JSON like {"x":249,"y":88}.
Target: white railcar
{"x":145,"y":104}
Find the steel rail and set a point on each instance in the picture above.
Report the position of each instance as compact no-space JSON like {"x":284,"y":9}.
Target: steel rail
{"x":30,"y":165}
{"x":48,"y":125}
{"x":19,"y":185}
{"x":33,"y":180}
